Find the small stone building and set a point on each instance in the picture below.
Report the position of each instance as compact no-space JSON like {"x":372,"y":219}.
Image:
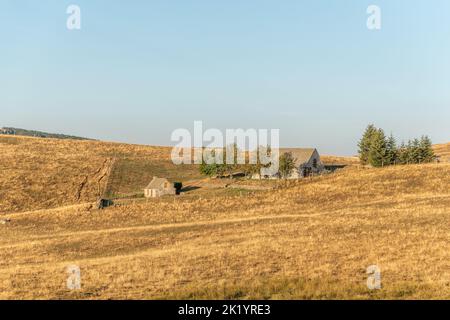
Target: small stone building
{"x":159,"y":187}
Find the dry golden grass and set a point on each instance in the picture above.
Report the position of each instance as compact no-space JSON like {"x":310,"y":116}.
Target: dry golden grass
{"x":443,"y":151}
{"x":131,"y":174}
{"x":312,"y":239}
{"x":334,"y":160}
{"x":48,"y":173}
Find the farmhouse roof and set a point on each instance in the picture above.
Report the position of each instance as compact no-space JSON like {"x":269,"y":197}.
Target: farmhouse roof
{"x":156,"y":183}
{"x":301,"y":155}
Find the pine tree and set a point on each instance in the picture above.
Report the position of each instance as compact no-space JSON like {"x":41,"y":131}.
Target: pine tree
{"x":382,"y":151}
{"x":409,"y":153}
{"x":415,"y":153}
{"x":378,"y":149}
{"x":391,"y":151}
{"x":365,"y":143}
{"x":403,"y":154}
{"x":426,"y":151}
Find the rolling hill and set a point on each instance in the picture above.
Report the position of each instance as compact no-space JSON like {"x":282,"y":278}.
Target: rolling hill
{"x":47,"y":173}
{"x":310,"y":239}
{"x":39,"y":134}
{"x":443,"y":151}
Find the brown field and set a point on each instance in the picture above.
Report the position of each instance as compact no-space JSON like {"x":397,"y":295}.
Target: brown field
{"x":443,"y":151}
{"x":49,"y":173}
{"x":334,"y":160}
{"x":311,"y":239}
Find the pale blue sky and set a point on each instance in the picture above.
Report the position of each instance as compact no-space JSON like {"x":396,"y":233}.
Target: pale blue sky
{"x":137,"y":70}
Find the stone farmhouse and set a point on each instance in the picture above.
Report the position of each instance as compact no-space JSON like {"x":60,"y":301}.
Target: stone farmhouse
{"x":307,"y":163}
{"x":159,"y":187}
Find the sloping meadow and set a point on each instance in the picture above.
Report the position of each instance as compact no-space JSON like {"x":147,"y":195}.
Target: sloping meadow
{"x":39,"y":173}
{"x":310,"y":239}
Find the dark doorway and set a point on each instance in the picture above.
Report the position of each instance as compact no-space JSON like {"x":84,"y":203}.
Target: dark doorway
{"x":307,"y":172}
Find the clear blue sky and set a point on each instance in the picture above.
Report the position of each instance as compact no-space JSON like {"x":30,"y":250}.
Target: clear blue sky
{"x":137,"y":70}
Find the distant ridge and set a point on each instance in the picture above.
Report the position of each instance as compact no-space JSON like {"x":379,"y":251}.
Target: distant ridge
{"x":40,"y":134}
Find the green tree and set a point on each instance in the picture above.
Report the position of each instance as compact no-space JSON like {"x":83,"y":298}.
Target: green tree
{"x":415,"y":152}
{"x":378,"y":149}
{"x":408,"y":153}
{"x":251,"y":169}
{"x":403,"y":153}
{"x":392,"y":151}
{"x":381,"y":151}
{"x":286,"y":165}
{"x":365,"y":143}
{"x":256,"y":168}
{"x":208,"y":169}
{"x":426,"y":151}
{"x":230,"y":165}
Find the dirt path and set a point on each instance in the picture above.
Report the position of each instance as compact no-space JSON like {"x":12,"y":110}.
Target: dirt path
{"x":101,"y":175}
{"x":160,"y":227}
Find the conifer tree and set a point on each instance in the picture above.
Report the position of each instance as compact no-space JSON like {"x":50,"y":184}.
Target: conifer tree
{"x":426,"y":150}
{"x":378,"y":149}
{"x":391,"y":151}
{"x":403,"y":154}
{"x":365,"y":143}
{"x":415,"y":153}
{"x":409,"y":153}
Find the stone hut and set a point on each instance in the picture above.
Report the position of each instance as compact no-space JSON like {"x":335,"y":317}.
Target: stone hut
{"x":159,"y":187}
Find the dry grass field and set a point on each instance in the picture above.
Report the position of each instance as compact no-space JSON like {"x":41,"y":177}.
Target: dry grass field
{"x":48,"y":173}
{"x":334,"y":160}
{"x":443,"y":150}
{"x":311,"y":239}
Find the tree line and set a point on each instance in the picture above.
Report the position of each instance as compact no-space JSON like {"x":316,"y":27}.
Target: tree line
{"x":286,"y":163}
{"x":378,"y":150}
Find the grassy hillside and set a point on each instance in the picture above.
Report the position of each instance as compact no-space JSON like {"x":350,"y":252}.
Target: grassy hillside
{"x":303,"y":240}
{"x":443,"y":151}
{"x":47,"y":173}
{"x":334,"y":160}
{"x":132,"y":174}
{"x":40,"y":134}
{"x":312,"y":239}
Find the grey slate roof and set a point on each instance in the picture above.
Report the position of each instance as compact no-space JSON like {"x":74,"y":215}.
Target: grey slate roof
{"x":157,"y":183}
{"x":302,"y":155}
